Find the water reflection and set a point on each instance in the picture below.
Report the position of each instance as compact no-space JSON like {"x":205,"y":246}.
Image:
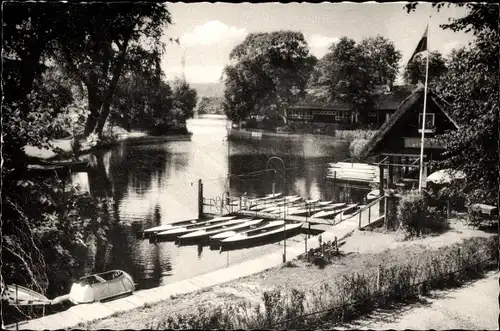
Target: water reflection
{"x":156,"y":184}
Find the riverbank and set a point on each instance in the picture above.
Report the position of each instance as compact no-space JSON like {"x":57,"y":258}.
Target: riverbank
{"x":63,"y":146}
{"x":356,"y":256}
{"x":258,"y":134}
{"x":339,"y":134}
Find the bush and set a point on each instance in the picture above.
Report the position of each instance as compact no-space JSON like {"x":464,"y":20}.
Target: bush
{"x":250,"y":123}
{"x":411,"y":213}
{"x":284,"y":129}
{"x":165,"y":129}
{"x":356,"y":146}
{"x":416,"y":217}
{"x":320,"y":261}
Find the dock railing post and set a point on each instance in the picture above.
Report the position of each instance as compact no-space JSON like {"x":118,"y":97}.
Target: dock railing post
{"x":369,"y":213}
{"x":359,"y":226}
{"x":305,"y":244}
{"x":378,"y":278}
{"x":200,"y":199}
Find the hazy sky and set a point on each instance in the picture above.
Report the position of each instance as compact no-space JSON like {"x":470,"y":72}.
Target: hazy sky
{"x":208,"y":32}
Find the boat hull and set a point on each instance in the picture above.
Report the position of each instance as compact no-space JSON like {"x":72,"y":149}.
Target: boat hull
{"x":101,"y":287}
{"x":152,"y":231}
{"x":215,"y":240}
{"x":172,"y":234}
{"x":258,"y":241}
{"x":204,"y":238}
{"x":347,"y":213}
{"x":20,"y":296}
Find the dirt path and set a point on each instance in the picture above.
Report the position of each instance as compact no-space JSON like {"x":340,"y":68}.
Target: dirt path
{"x":473,"y":307}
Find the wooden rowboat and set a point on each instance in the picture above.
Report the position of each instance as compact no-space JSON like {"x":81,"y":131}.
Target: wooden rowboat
{"x":268,"y":226}
{"x":347,"y":212}
{"x":180,"y":231}
{"x":255,"y":237}
{"x":165,"y":227}
{"x":17,"y":295}
{"x":200,"y":235}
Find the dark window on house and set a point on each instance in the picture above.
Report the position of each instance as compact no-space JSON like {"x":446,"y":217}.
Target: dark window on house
{"x":429,"y":120}
{"x":339,"y":115}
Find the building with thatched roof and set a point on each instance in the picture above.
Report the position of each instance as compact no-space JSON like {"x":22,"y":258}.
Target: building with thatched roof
{"x":397,"y":145}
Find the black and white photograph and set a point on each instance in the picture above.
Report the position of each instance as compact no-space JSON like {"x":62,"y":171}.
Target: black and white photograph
{"x":237,"y":166}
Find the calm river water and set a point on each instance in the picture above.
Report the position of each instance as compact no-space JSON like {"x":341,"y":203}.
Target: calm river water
{"x":157,"y":183}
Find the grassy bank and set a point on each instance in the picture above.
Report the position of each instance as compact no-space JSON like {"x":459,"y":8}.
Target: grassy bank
{"x":342,"y":290}
{"x":399,"y":276}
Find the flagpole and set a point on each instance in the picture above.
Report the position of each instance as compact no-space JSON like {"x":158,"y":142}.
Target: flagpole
{"x":425,"y":108}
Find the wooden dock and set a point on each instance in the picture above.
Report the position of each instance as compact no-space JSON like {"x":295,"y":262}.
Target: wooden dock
{"x":294,"y":218}
{"x":365,"y":215}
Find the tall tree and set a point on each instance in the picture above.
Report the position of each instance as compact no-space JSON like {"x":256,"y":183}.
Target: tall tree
{"x":415,"y":70}
{"x":185,"y":98}
{"x":141,"y":101}
{"x":383,"y":59}
{"x":209,"y":105}
{"x":44,"y":227}
{"x":103,"y":40}
{"x":269,"y":71}
{"x":354,"y":71}
{"x":28,"y":37}
{"x":471,"y":86}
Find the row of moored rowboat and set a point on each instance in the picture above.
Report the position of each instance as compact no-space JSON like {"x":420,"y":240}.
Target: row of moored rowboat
{"x":237,"y":231}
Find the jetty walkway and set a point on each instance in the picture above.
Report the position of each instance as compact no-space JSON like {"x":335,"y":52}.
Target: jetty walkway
{"x":86,"y":313}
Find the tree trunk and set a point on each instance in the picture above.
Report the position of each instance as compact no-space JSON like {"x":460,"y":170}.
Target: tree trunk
{"x":90,"y":124}
{"x":94,"y":107}
{"x":106,"y":104}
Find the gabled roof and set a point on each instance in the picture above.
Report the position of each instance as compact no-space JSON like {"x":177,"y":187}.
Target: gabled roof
{"x":392,"y":100}
{"x":403,"y":108}
{"x":445,"y":106}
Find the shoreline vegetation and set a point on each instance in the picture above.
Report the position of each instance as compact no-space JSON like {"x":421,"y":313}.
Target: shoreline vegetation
{"x":357,"y":138}
{"x":340,"y":134}
{"x":358,"y":280}
{"x":63,"y":147}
